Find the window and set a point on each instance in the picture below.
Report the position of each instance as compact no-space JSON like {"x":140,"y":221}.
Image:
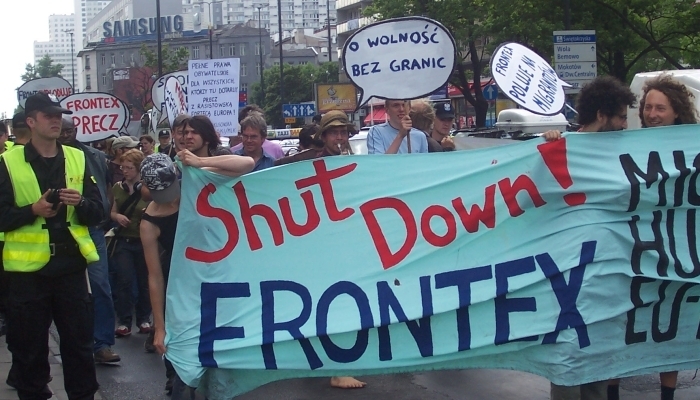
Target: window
{"x":114,"y":59}
{"x":242,"y":49}
{"x":103,"y":59}
{"x":195,"y":52}
{"x":88,"y":82}
{"x":244,"y":87}
{"x":257,"y":68}
{"x":122,"y":58}
{"x":244,"y":69}
{"x":222,"y":50}
{"x":104,"y":79}
{"x":206,"y":51}
{"x":257,"y":49}
{"x":232,"y":50}
{"x":133,"y":59}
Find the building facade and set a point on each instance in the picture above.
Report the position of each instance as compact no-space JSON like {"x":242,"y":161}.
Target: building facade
{"x":104,"y":61}
{"x":58,"y":47}
{"x":84,"y":11}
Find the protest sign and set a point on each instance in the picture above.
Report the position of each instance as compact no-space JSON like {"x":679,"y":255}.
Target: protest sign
{"x":158,"y":92}
{"x":56,"y":85}
{"x":527,"y":79}
{"x":382,"y":57}
{"x":214,"y":92}
{"x":574,"y":260}
{"x":97,"y":116}
{"x":174,"y":101}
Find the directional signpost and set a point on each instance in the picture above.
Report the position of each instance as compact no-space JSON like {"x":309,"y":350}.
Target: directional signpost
{"x":575,"y":59}
{"x":298,"y":110}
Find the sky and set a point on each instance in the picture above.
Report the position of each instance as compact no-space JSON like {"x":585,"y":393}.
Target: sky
{"x":21,"y":23}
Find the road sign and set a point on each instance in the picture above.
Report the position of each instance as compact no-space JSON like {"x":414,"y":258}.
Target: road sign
{"x":298,"y":110}
{"x":575,"y":52}
{"x":490,"y":92}
{"x":575,"y":58}
{"x":290,"y":120}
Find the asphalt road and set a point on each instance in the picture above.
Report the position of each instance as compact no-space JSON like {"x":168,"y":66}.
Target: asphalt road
{"x":141,"y":376}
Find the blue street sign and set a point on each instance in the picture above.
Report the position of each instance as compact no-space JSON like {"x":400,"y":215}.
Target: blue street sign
{"x":298,"y":110}
{"x":491,"y":92}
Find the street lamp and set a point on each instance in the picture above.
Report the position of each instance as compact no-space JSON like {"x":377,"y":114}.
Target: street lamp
{"x":211,"y":29}
{"x":328,"y":22}
{"x":279,"y":34}
{"x":260,"y":50}
{"x":160,"y":42}
{"x":72,"y":58}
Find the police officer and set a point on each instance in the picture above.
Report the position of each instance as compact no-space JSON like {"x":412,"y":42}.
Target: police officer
{"x":48,"y":198}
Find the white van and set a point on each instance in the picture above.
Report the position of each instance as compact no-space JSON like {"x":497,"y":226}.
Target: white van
{"x":688,"y":77}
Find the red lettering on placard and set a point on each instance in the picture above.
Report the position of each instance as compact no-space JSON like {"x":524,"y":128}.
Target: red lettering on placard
{"x":510,"y":191}
{"x":260,"y":210}
{"x":387,"y":258}
{"x":229,"y":222}
{"x":323,"y":179}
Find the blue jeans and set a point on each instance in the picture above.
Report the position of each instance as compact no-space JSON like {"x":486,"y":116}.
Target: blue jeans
{"x":128,"y":262}
{"x":101,"y":294}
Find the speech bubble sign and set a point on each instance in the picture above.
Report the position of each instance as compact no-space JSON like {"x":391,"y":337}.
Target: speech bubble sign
{"x":527,"y":79}
{"x":174,"y":100}
{"x":401,"y":58}
{"x":97,"y":116}
{"x":56,"y":85}
{"x":158,"y":90}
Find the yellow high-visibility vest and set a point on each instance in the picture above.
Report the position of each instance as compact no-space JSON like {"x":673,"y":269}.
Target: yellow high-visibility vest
{"x":27,"y":249}
{"x":8,"y":146}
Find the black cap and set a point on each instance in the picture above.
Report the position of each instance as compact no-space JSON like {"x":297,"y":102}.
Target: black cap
{"x":164,"y":133}
{"x":19,"y":120}
{"x":444,"y":110}
{"x":45,"y":103}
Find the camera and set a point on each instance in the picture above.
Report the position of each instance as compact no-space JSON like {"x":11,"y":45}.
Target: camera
{"x":53,"y":197}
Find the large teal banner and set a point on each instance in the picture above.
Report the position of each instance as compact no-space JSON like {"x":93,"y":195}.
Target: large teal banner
{"x":575,"y":260}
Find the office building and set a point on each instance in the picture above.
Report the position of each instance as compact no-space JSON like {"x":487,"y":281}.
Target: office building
{"x":84,"y":11}
{"x":58,"y":47}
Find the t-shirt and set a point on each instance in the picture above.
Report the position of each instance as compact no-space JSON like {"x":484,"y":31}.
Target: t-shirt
{"x":120,"y":197}
{"x":380,"y":137}
{"x":271,"y":148}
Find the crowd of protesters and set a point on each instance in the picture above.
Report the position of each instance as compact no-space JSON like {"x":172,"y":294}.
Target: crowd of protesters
{"x":111,"y":215}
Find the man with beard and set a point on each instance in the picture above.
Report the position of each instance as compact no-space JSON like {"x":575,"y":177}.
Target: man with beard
{"x":602,"y":107}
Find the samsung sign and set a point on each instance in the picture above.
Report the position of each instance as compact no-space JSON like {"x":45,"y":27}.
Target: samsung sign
{"x":142,"y":26}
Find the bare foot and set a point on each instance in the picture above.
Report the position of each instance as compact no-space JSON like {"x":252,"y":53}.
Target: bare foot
{"x":346,"y":382}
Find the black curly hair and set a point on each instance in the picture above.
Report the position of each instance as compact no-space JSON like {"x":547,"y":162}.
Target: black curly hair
{"x":605,"y":94}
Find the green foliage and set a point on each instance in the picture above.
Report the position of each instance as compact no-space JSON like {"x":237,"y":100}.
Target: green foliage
{"x":44,"y":68}
{"x":173,"y":60}
{"x":299,"y":83}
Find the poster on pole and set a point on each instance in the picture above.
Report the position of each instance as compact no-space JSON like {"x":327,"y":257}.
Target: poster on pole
{"x":382,"y":57}
{"x":158,"y":92}
{"x":56,"y":85}
{"x":175,"y":102}
{"x":527,"y":79}
{"x":213,"y":92}
{"x":97,"y":116}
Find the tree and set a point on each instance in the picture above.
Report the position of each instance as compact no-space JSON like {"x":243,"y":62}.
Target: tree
{"x":44,"y":68}
{"x":173,"y":60}
{"x":632,"y":36}
{"x":299,"y":83}
{"x":462,"y":18}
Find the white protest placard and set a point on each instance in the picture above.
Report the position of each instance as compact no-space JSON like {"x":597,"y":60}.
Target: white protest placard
{"x":174,"y":101}
{"x":527,"y":79}
{"x":158,"y":92}
{"x":214,"y":92}
{"x":401,"y":58}
{"x":97,"y":116}
{"x":56,"y":85}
